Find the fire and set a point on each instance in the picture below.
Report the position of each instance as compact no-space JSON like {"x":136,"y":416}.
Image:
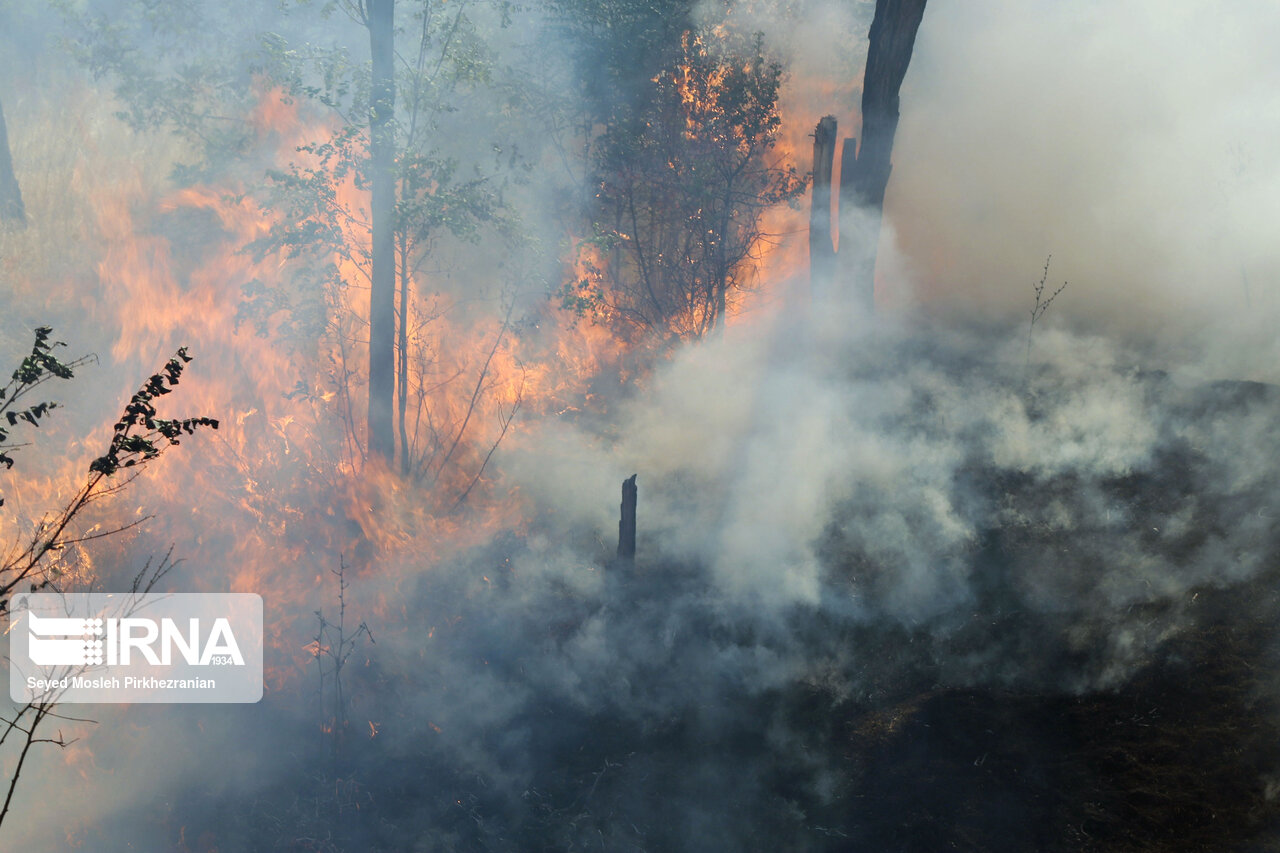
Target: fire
{"x":283,"y":487}
{"x":699,"y":87}
{"x":283,"y":492}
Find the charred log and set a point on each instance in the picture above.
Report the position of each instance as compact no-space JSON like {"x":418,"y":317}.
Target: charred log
{"x":627,"y":522}
{"x":822,"y":252}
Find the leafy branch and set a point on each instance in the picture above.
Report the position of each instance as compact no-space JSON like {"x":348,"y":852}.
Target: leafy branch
{"x":137,"y":438}
{"x":129,"y":448}
{"x":36,"y":369}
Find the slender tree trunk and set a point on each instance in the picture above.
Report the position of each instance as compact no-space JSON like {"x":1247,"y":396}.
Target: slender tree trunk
{"x":382,"y":291}
{"x":721,"y":290}
{"x":11,"y":207}
{"x":865,"y":176}
{"x":402,"y":362}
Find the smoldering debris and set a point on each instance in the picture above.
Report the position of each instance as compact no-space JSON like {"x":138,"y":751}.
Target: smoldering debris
{"x":1030,"y":606}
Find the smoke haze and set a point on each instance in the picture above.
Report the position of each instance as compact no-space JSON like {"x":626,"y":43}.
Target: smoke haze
{"x":1129,"y":140}
{"x":837,"y":512}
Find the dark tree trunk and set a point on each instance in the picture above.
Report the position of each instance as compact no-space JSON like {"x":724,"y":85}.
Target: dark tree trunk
{"x":722,"y":297}
{"x":864,"y":177}
{"x":382,"y":291}
{"x":627,"y":521}
{"x":822,"y":253}
{"x":11,"y":207}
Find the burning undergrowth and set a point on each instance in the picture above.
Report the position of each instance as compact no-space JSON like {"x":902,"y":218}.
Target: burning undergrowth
{"x":908,"y":591}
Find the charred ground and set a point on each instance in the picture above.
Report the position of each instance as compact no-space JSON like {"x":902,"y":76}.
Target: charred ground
{"x":1105,"y":684}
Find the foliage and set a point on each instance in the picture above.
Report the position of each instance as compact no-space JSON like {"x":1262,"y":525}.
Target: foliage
{"x":138,"y":437}
{"x":203,"y":72}
{"x":129,"y":448}
{"x":619,"y":46}
{"x":38,"y":367}
{"x":184,"y":66}
{"x":684,"y":181}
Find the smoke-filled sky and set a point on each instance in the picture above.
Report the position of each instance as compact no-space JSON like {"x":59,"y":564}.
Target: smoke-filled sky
{"x":1134,"y":141}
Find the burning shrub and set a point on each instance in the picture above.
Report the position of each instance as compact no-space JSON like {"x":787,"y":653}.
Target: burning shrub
{"x":685,"y":178}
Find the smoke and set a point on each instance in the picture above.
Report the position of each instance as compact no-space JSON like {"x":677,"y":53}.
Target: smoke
{"x":1127,"y":140}
{"x":836,"y":515}
{"x":853,"y":518}
{"x":755,"y":454}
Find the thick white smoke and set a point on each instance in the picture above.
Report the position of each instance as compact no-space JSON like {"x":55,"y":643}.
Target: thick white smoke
{"x":1133,"y":141}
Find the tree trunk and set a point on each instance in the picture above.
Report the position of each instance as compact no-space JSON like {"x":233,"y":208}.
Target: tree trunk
{"x":382,"y":291}
{"x":721,"y":304}
{"x":402,"y":360}
{"x":11,"y":207}
{"x":822,"y":253}
{"x":864,"y":177}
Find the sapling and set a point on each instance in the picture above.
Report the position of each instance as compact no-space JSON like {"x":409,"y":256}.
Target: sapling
{"x":1041,"y":304}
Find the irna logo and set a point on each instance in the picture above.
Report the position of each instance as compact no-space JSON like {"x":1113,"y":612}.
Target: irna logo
{"x":171,"y":647}
{"x":63,"y":641}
